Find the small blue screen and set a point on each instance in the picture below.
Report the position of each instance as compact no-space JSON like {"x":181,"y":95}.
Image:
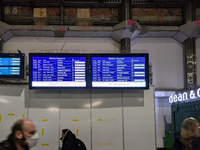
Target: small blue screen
{"x":9,"y":66}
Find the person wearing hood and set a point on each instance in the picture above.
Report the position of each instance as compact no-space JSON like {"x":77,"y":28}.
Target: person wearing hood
{"x":70,"y":142}
{"x":22,"y":137}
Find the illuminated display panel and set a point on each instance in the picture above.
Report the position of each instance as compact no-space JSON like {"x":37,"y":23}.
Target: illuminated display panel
{"x":120,"y":71}
{"x":58,"y":70}
{"x":12,"y":65}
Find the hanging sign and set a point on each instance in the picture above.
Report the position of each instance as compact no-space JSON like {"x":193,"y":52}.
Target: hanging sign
{"x":191,"y":95}
{"x":40,"y":12}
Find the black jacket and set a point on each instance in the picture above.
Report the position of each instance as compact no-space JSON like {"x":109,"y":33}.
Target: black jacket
{"x":10,"y":144}
{"x":70,"y":142}
{"x":178,"y":145}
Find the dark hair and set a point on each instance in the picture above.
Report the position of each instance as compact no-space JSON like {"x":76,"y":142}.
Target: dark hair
{"x":188,"y":132}
{"x":64,"y":131}
{"x":17,"y":126}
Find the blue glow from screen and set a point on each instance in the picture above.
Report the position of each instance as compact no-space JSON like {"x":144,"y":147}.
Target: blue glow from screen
{"x":58,"y":71}
{"x":118,"y":72}
{"x":9,"y":66}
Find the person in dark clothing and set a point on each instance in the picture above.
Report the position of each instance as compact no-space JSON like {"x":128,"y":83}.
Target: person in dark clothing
{"x":70,"y":142}
{"x":22,"y":137}
{"x":189,"y":138}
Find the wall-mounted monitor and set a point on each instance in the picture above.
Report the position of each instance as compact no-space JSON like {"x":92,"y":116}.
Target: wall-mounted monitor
{"x":120,"y":71}
{"x":57,"y":70}
{"x":12,"y":66}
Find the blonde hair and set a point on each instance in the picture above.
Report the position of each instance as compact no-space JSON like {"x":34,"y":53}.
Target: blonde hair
{"x":188,"y":132}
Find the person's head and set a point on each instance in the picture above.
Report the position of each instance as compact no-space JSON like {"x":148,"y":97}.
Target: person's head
{"x":64,"y":131}
{"x":190,"y":130}
{"x":63,"y":134}
{"x":24,"y":131}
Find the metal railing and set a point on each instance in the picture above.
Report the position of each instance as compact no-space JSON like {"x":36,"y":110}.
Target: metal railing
{"x":93,"y":1}
{"x":159,"y":1}
{"x":82,"y":1}
{"x":66,"y":1}
{"x":15,"y":0}
{"x":112,"y":1}
{"x":28,"y":1}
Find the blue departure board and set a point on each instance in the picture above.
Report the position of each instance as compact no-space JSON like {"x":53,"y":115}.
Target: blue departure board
{"x":119,"y":71}
{"x":10,"y":66}
{"x":58,"y":71}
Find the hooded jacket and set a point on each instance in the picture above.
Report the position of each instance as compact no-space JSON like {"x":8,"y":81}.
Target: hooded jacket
{"x":68,"y":141}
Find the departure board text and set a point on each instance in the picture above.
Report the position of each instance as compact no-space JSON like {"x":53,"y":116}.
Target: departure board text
{"x":118,"y":72}
{"x":59,"y":71}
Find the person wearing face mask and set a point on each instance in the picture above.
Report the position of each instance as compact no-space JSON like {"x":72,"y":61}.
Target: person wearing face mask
{"x":22,"y":137}
{"x":189,"y":138}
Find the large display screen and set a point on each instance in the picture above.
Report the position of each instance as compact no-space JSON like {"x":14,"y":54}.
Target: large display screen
{"x":12,"y":65}
{"x":120,"y":71}
{"x":57,"y":70}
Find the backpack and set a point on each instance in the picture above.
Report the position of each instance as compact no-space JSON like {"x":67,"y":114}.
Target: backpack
{"x":81,"y":145}
{"x":74,"y":144}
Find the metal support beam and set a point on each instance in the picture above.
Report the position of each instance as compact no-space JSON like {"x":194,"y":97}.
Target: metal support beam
{"x":1,"y":45}
{"x":125,"y":15}
{"x":125,"y":10}
{"x":125,"y":46}
{"x":1,"y":10}
{"x":189,"y":11}
{"x":190,"y":77}
{"x":190,"y":64}
{"x":62,"y":13}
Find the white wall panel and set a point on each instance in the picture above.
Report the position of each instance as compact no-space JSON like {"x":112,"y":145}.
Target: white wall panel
{"x":98,"y":115}
{"x":133,"y":98}
{"x":12,"y":107}
{"x":166,"y":56}
{"x":61,"y":45}
{"x":107,"y":131}
{"x":78,"y":121}
{"x":75,"y":113}
{"x":47,"y":123}
{"x":163,"y":118}
{"x":139,"y":124}
{"x":48,"y":98}
{"x":75,"y":99}
{"x":198,"y":60}
{"x":106,"y":98}
{"x":91,"y":45}
{"x":163,"y":122}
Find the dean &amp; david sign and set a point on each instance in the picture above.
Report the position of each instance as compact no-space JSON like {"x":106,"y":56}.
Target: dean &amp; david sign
{"x":193,"y":94}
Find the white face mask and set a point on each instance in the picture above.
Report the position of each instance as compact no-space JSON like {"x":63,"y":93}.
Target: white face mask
{"x":32,"y":141}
